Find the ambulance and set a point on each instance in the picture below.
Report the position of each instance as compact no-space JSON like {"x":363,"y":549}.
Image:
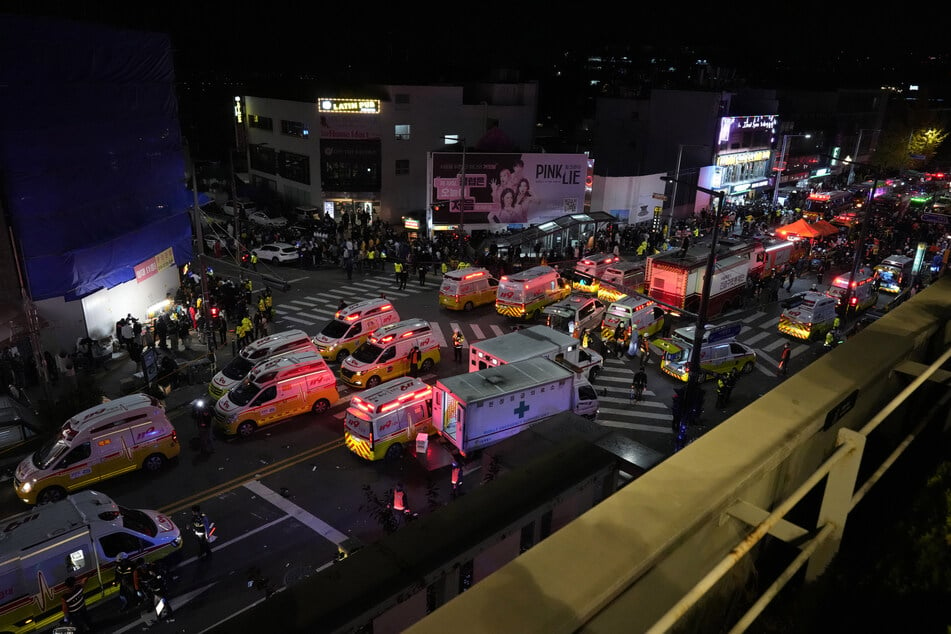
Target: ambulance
{"x":254,"y":353}
{"x":720,"y":353}
{"x":119,"y":436}
{"x":590,"y":269}
{"x":276,"y":390}
{"x":813,"y":316}
{"x":621,"y":278}
{"x":464,"y":289}
{"x":80,"y":536}
{"x":577,"y":311}
{"x":383,"y":419}
{"x":863,"y":295}
{"x":525,"y":294}
{"x":894,"y":273}
{"x":385,"y":355}
{"x":351,"y":326}
{"x":633,"y":311}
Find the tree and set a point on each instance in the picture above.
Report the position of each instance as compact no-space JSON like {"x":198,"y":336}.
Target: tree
{"x":924,"y":143}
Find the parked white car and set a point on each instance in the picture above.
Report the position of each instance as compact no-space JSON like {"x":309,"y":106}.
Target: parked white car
{"x":276,"y":252}
{"x":246,"y":203}
{"x":261,"y":218}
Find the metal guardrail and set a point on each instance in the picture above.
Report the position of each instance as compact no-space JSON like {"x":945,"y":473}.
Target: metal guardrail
{"x":842,"y":471}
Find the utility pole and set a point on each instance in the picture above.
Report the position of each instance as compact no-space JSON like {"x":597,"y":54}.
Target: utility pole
{"x":205,"y":304}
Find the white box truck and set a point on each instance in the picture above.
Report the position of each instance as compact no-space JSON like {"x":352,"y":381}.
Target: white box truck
{"x":479,"y":409}
{"x":529,"y":343}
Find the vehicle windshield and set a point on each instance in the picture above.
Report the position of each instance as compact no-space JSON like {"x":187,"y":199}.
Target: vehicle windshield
{"x":138,"y":521}
{"x":676,"y":357}
{"x":49,"y":453}
{"x":243,"y":393}
{"x":367,"y":353}
{"x":238,"y":368}
{"x":335,"y":329}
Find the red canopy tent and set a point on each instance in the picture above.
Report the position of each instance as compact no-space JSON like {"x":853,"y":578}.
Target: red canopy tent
{"x":799,"y":228}
{"x":827,"y":228}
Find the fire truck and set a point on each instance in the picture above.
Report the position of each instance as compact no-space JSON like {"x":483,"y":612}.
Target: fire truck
{"x":676,"y":278}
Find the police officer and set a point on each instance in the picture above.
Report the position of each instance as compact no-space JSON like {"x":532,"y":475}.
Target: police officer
{"x":721,"y":391}
{"x":74,"y":605}
{"x":125,"y":571}
{"x":254,"y":261}
{"x":201,"y":528}
{"x":458,"y":343}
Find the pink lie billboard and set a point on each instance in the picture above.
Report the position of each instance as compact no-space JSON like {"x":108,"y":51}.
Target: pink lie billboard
{"x":502,"y":190}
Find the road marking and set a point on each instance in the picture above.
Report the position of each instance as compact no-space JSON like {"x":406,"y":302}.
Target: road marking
{"x":497,"y":330}
{"x":477,"y":331}
{"x":318,"y":299}
{"x":437,"y":333}
{"x":301,"y":302}
{"x":298,"y":279}
{"x":320,"y":314}
{"x":762,"y":367}
{"x":757,"y":337}
{"x":314,"y":523}
{"x":751,"y":318}
{"x":637,"y":426}
{"x":772,"y":346}
{"x":627,"y":413}
{"x":770,"y":324}
{"x":613,"y":379}
{"x":626,"y":400}
{"x":300,"y":321}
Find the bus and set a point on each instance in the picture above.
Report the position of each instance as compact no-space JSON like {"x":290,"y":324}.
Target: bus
{"x":826,"y":205}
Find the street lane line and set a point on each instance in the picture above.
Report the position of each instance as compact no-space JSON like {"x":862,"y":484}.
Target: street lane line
{"x":300,"y":321}
{"x":477,"y":331}
{"x":751,"y":318}
{"x":302,"y":303}
{"x":762,"y":367}
{"x":627,"y":413}
{"x":320,"y":314}
{"x":314,"y":523}
{"x":637,"y":426}
{"x":772,"y":346}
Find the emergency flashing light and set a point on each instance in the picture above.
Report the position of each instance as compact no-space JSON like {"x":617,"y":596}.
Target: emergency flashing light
{"x":504,"y":278}
{"x":353,"y":317}
{"x":389,"y":406}
{"x":387,"y":339}
{"x":472,"y":275}
{"x":214,"y":312}
{"x":854,"y":301}
{"x":407,"y":334}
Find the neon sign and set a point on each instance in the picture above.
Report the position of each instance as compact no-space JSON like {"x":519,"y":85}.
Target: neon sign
{"x":349,"y":106}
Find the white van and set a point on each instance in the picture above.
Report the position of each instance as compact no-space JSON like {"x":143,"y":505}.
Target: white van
{"x":385,"y":355}
{"x":276,"y":390}
{"x":81,"y":537}
{"x":575,"y":312}
{"x":632,"y":311}
{"x":351,"y":326}
{"x":381,"y":420}
{"x":253,"y":354}
{"x":118,"y":436}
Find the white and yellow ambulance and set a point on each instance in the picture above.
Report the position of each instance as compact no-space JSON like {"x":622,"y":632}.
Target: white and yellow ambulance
{"x":526,"y":293}
{"x":464,"y":289}
{"x":382,"y":420}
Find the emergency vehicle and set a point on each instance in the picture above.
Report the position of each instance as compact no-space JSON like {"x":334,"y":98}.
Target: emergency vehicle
{"x":536,"y":341}
{"x":385,"y":355}
{"x":590,"y":269}
{"x":576,"y":311}
{"x":351,"y":326}
{"x":381,"y":420}
{"x":81,"y":537}
{"x":720,"y":353}
{"x":894,"y":273}
{"x":621,"y":278}
{"x":525,"y":294}
{"x":632,"y":311}
{"x":813,"y":316}
{"x":863,"y":295}
{"x":254,"y":353}
{"x":464,"y":289}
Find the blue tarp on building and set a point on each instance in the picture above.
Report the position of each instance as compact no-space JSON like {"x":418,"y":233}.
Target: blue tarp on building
{"x":90,"y":153}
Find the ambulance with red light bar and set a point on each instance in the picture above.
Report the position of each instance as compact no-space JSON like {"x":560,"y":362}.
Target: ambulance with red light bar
{"x":381,"y":420}
{"x":621,"y":278}
{"x":813,"y":316}
{"x":590,"y":269}
{"x":633,"y":311}
{"x":526,"y":293}
{"x":863,"y":294}
{"x":464,"y":289}
{"x":385,"y":354}
{"x":351,"y":326}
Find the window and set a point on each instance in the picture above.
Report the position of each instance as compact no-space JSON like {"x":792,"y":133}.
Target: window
{"x":263,"y":158}
{"x":402,"y":167}
{"x":261,"y":123}
{"x":294,"y":128}
{"x":295,"y":167}
{"x":81,"y":452}
{"x":117,"y":543}
{"x":269,"y":394}
{"x":402,"y":132}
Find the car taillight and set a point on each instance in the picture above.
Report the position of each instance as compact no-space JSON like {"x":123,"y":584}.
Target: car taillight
{"x":174,"y":436}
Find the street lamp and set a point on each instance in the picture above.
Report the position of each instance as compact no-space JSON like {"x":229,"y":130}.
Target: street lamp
{"x":781,"y":166}
{"x":858,"y":145}
{"x":674,"y":180}
{"x":691,"y":397}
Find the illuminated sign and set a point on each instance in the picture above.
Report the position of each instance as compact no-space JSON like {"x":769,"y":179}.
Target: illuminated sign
{"x":742,"y":157}
{"x":153,"y":265}
{"x":352,"y":106}
{"x":238,"y":115}
{"x":410,"y":223}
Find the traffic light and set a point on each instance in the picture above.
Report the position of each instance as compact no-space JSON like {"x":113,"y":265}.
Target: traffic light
{"x":214,"y":312}
{"x":437,"y":207}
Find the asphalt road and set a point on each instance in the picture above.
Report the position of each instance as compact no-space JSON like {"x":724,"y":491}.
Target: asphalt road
{"x":284,"y":499}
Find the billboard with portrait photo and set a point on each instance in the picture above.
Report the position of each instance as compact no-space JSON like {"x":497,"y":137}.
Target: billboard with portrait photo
{"x":508,"y":189}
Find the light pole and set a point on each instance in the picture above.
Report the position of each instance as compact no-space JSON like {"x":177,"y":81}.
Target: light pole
{"x":690,"y":404}
{"x":674,"y":180}
{"x":781,"y":166}
{"x":858,"y":146}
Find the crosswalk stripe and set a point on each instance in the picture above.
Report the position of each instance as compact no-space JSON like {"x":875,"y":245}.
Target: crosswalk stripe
{"x":772,"y":346}
{"x":302,"y":303}
{"x":477,"y":331}
{"x":300,"y":321}
{"x":636,"y":426}
{"x":770,"y":324}
{"x":315,"y":314}
{"x":453,"y":326}
{"x":757,"y":337}
{"x":751,"y":318}
{"x":437,"y":333}
{"x":626,"y":413}
{"x":497,"y":330}
{"x":335,"y":293}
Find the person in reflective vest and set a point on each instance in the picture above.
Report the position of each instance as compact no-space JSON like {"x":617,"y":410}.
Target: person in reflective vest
{"x":455,"y":479}
{"x":414,"y":357}
{"x":254,"y":261}
{"x":458,"y":343}
{"x":399,"y":499}
{"x":201,"y":527}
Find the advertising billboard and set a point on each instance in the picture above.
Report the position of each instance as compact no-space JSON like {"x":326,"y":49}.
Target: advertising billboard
{"x":503,"y":190}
